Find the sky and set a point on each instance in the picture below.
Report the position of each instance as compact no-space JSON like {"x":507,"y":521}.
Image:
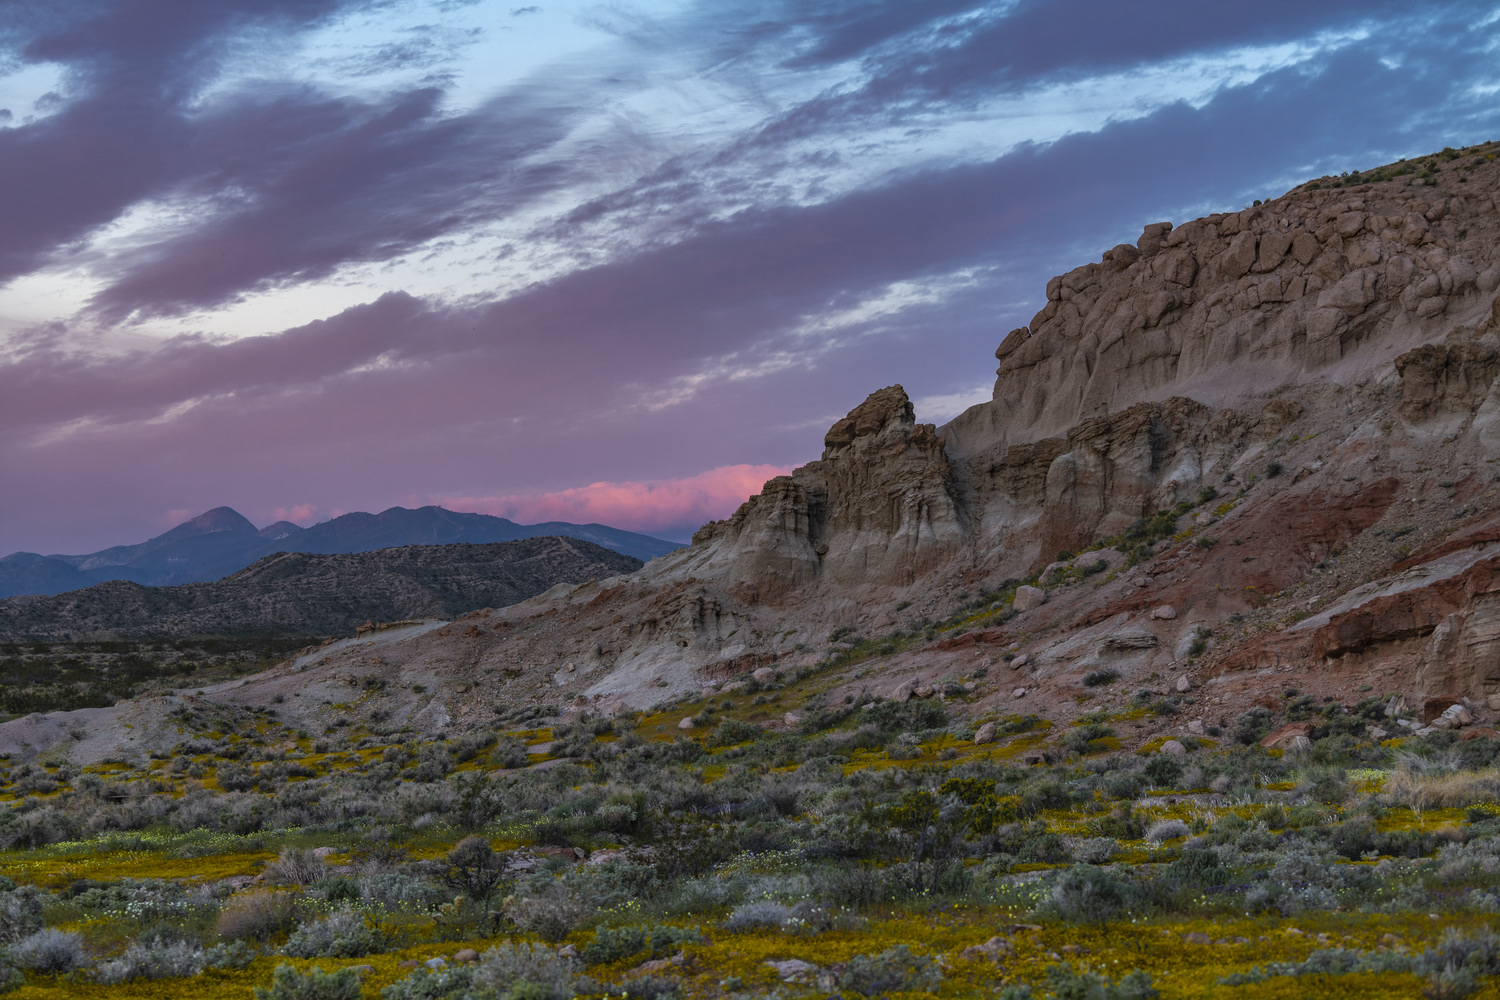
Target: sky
{"x":614,"y":262}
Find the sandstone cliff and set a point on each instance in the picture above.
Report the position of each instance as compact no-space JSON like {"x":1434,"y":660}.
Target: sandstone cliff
{"x":1276,"y":428}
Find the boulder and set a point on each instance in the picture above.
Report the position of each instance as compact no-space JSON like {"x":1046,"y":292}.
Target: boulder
{"x":1454,"y":717}
{"x":1184,"y":683}
{"x":1020,"y":662}
{"x":1018,"y":693}
{"x":686,"y":723}
{"x":1284,"y":736}
{"x":791,"y":718}
{"x":1377,"y":734}
{"x":465,"y":956}
{"x":1196,"y":727}
{"x":1299,"y":744}
{"x":764,"y":674}
{"x":903,"y":691}
{"x":1029,"y":597}
{"x":1164,"y":613}
{"x":984,"y":734}
{"x":1480,"y":733}
{"x":1172,"y":748}
{"x":1437,"y":705}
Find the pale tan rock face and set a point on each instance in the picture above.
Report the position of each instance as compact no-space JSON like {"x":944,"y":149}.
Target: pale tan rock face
{"x":1317,"y":284}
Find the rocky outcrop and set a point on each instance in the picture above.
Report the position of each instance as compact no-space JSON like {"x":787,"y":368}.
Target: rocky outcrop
{"x":1311,"y":282}
{"x":877,"y":507}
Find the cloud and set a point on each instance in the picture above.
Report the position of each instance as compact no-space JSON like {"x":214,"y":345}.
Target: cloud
{"x":304,"y":514}
{"x":671,"y":508}
{"x":679,"y":302}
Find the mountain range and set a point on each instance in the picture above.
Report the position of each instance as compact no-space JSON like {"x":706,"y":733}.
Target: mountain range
{"x":304,"y":594}
{"x":222,"y":541}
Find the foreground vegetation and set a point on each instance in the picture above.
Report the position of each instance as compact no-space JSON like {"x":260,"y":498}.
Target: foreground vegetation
{"x":871,"y":850}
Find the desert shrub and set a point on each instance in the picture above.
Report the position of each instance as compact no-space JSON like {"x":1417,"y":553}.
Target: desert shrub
{"x":400,"y":891}
{"x":1079,"y":738}
{"x":550,"y":910}
{"x":1048,"y":848}
{"x":1066,"y":983}
{"x":473,"y":868}
{"x":452,"y":983}
{"x":1094,"y":850}
{"x":1163,"y":770}
{"x":235,"y":777}
{"x":893,"y":969}
{"x":154,"y":960}
{"x":1167,"y":829}
{"x":1085,"y":892}
{"x":49,"y":950}
{"x":905,"y":716}
{"x":338,"y":889}
{"x":760,"y":914}
{"x":257,"y":916}
{"x":610,"y":944}
{"x":314,"y":984}
{"x":340,"y":935}
{"x":296,"y":867}
{"x":732,"y":731}
{"x":1251,"y":726}
{"x":1124,"y":784}
{"x":1096,"y":678}
{"x":1197,"y":868}
{"x":477,"y":800}
{"x":527,"y":972}
{"x":20,"y":911}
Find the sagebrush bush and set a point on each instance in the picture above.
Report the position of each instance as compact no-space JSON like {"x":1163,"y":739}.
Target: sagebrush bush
{"x":156,"y":960}
{"x":1167,"y":829}
{"x":761,"y":914}
{"x":314,"y":984}
{"x":527,"y":970}
{"x":339,"y":935}
{"x":894,"y":969}
{"x":610,"y":944}
{"x":50,"y":950}
{"x":550,"y":909}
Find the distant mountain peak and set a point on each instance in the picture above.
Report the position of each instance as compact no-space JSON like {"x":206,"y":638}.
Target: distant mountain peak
{"x":210,"y":521}
{"x":281,"y":529}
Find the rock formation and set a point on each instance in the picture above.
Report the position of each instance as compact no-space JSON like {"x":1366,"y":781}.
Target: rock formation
{"x":1280,"y":425}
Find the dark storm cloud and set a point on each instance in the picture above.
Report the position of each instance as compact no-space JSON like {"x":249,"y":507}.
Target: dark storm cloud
{"x":123,"y":135}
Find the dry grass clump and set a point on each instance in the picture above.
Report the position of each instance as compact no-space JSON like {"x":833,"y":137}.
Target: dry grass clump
{"x":258,"y":916}
{"x":295,"y":867}
{"x":1433,"y":790}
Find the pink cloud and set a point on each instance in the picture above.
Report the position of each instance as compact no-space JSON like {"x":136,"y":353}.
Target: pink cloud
{"x":661,"y":506}
{"x":303,"y":514}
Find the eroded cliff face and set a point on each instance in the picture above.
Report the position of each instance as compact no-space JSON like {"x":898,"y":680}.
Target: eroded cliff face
{"x":1309,"y":390}
{"x":1316,"y":284}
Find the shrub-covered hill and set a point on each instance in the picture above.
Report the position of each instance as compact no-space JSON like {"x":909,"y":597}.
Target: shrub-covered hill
{"x":301,"y":594}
